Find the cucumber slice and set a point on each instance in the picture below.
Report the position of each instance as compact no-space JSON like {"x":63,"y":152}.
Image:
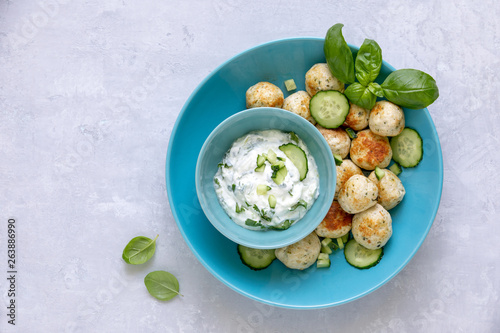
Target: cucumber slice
{"x":379,"y":173}
{"x":338,"y":159}
{"x":290,"y":85}
{"x":345,"y":238}
{"x":326,"y":246}
{"x":272,"y":201}
{"x":407,"y":148}
{"x":256,"y":259}
{"x":298,"y":158}
{"x":262,"y":189}
{"x":323,"y":261}
{"x":361,"y":257}
{"x":261,"y":168}
{"x":329,"y":108}
{"x":261,"y":159}
{"x":340,"y":242}
{"x":279,"y":174}
{"x":396,"y":169}
{"x":272,"y":157}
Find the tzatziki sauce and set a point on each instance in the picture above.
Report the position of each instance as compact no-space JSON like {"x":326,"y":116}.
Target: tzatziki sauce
{"x":260,"y":187}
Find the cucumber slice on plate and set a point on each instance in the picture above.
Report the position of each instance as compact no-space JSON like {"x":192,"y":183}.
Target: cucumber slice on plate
{"x":298,"y":158}
{"x":407,"y":148}
{"x":329,"y":108}
{"x":256,"y":259}
{"x":361,"y":257}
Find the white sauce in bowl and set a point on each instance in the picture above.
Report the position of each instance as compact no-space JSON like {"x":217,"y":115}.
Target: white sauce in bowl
{"x":236,"y":182}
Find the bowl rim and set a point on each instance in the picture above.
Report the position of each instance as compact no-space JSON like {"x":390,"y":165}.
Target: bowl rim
{"x":285,"y":237}
{"x":396,"y":271}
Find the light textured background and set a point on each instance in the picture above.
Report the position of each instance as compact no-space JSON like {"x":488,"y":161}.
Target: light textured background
{"x":89,"y":93}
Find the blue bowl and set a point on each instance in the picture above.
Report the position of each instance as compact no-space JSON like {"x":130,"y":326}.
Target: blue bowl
{"x":219,"y":141}
{"x":221,"y":95}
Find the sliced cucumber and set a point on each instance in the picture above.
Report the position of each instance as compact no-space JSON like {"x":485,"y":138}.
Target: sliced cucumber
{"x":340,"y":242}
{"x":261,"y":159}
{"x":407,"y":148}
{"x":262,"y":189}
{"x":329,"y":108}
{"x":256,"y":259}
{"x":396,"y":169}
{"x":271,"y":156}
{"x":272,"y":201}
{"x":279,"y":174}
{"x":326,"y":246}
{"x":338,"y":159}
{"x":290,"y":85}
{"x":379,"y":173}
{"x":361,"y":257}
{"x":298,"y":158}
{"x":345,"y":238}
{"x":260,"y":168}
{"x":323,"y":261}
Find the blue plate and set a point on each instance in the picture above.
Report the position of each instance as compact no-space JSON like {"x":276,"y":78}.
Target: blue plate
{"x":221,"y":95}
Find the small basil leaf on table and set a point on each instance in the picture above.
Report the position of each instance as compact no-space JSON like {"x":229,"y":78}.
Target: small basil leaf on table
{"x":338,"y":55}
{"x":368,"y":62}
{"x":139,"y":250}
{"x":410,"y":88}
{"x":360,"y":95}
{"x":162,"y":285}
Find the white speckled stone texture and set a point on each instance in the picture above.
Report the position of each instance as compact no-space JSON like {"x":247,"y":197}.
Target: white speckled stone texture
{"x":89,"y":93}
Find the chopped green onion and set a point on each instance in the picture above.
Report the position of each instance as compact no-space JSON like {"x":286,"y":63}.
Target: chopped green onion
{"x":351,"y":133}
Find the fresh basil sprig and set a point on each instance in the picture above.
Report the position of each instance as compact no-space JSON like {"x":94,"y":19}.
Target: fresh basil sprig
{"x":162,"y":285}
{"x":139,"y":250}
{"x":367,"y":67}
{"x":360,"y":95}
{"x":339,"y":55}
{"x":409,"y":88}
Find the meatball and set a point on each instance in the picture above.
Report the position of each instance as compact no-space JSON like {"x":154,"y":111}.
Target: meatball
{"x":373,"y":227}
{"x":357,"y":118}
{"x":264,"y":94}
{"x":386,"y":119}
{"x":320,"y":78}
{"x":369,"y":150}
{"x":298,"y":103}
{"x":345,"y":171}
{"x":336,"y":223}
{"x":390,"y":189}
{"x":358,"y":194}
{"x":302,"y":254}
{"x":338,"y":140}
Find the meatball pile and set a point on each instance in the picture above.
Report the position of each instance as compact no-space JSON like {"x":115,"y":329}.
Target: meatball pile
{"x":362,"y":200}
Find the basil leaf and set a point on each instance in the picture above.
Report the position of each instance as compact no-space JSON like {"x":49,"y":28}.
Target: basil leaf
{"x":139,"y":250}
{"x":368,"y":62}
{"x":375,"y":89}
{"x":410,"y":88}
{"x":360,"y":95}
{"x":162,"y":285}
{"x":338,"y":54}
